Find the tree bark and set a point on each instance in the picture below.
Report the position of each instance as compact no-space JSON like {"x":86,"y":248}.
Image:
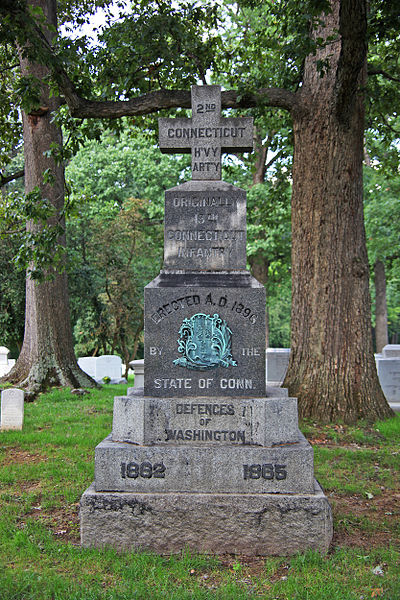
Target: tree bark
{"x":381,"y":318}
{"x":332,"y":369}
{"x":47,"y":356}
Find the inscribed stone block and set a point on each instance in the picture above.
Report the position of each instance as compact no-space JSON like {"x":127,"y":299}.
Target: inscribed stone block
{"x":246,"y":524}
{"x":205,"y":421}
{"x":12,"y":409}
{"x":205,"y":227}
{"x":205,"y":338}
{"x":285,"y":469}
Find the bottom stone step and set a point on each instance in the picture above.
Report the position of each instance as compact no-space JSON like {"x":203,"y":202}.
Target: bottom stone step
{"x":166,"y":523}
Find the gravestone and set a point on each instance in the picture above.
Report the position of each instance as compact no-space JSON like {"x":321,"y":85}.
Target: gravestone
{"x":389,"y":378}
{"x":12,"y":409}
{"x":98,"y":367}
{"x":277,"y":364}
{"x":205,"y":456}
{"x":391,"y":351}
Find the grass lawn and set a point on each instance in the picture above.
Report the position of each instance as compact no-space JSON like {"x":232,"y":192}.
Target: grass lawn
{"x":45,"y":468}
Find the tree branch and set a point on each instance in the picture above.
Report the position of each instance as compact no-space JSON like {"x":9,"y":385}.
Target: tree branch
{"x":377,"y":71}
{"x":163,"y":99}
{"x":151,"y":102}
{"x":7,"y":178}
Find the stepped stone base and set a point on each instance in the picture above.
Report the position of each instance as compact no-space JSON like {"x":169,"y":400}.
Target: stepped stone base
{"x":166,"y":523}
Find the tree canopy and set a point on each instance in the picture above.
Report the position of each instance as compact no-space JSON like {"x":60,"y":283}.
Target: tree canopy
{"x":304,"y":60}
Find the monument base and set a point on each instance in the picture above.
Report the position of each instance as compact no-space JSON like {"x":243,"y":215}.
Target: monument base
{"x":166,"y":523}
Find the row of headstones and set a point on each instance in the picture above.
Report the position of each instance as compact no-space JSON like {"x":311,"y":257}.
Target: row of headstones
{"x":387,"y":365}
{"x":108,"y":366}
{"x":98,"y":367}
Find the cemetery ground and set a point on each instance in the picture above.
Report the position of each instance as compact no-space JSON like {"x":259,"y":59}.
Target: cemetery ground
{"x":45,"y":468}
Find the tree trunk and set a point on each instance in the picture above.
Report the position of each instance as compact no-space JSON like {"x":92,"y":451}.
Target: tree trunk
{"x":260,"y":157}
{"x":332,"y":368}
{"x":47,"y":357}
{"x":381,"y":318}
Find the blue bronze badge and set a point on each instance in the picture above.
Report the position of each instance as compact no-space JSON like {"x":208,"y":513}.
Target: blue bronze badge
{"x":205,"y":343}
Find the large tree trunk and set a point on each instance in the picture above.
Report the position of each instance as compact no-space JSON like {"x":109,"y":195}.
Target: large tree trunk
{"x":47,"y":357}
{"x":381,"y":319}
{"x":332,"y":368}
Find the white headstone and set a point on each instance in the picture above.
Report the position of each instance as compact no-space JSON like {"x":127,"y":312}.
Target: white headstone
{"x":88,"y":364}
{"x":12,"y":409}
{"x":108,"y":365}
{"x":277,"y":364}
{"x":389,"y":378}
{"x":98,"y":367}
{"x":391,"y":351}
{"x":4,"y":355}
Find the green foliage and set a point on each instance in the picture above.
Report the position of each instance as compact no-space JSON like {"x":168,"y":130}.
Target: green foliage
{"x":115,"y":241}
{"x":12,"y":297}
{"x":268,"y":225}
{"x":382,"y":223}
{"x":266,"y":42}
{"x":38,"y":248}
{"x":156,"y":45}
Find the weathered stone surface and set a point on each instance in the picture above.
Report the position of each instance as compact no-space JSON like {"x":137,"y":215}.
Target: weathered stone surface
{"x":389,"y":378}
{"x":206,"y":134}
{"x":242,"y":311}
{"x":205,"y":226}
{"x":210,"y":469}
{"x":260,"y":421}
{"x":251,"y":524}
{"x":12,"y":409}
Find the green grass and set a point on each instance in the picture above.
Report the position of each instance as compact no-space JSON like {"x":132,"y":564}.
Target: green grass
{"x":45,"y":468}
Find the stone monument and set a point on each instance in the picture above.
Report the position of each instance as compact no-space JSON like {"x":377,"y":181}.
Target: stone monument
{"x":204,"y":456}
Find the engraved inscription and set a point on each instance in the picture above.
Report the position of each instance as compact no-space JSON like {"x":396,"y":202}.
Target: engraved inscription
{"x":146,"y":470}
{"x":209,"y":300}
{"x":204,"y":435}
{"x":267,"y":471}
{"x":206,"y":134}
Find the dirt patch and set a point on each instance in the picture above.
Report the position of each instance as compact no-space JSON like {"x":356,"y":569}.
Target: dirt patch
{"x":62,"y":522}
{"x":28,"y":487}
{"x":366,"y":522}
{"x":15,"y":456}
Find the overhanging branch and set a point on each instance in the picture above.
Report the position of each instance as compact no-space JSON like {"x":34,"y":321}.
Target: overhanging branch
{"x":163,"y":99}
{"x":377,"y":71}
{"x":147,"y":103}
{"x":4,"y":179}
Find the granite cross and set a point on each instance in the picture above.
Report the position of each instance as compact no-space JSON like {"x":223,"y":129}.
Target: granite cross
{"x":206,"y":134}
